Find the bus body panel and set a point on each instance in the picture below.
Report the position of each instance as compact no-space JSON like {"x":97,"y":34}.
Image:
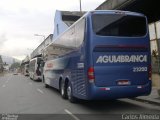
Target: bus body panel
{"x":116,"y":92}
{"x":69,"y":67}
{"x":53,"y":70}
{"x":113,"y":63}
{"x":114,"y":77}
{"x":110,"y":72}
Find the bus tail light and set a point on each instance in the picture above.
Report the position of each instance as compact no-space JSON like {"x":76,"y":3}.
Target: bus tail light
{"x":91,"y":74}
{"x":150,"y":72}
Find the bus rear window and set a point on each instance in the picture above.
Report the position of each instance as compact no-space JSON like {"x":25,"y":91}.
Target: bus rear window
{"x":119,"y":25}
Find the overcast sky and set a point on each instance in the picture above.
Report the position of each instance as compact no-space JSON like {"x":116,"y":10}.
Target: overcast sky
{"x":21,"y":19}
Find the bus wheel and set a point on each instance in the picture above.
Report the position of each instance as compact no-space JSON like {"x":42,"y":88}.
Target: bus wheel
{"x":63,"y":90}
{"x":71,"y":98}
{"x":46,"y":86}
{"x":43,"y":79}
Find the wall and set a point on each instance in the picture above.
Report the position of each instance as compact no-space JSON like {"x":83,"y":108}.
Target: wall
{"x":154,"y":29}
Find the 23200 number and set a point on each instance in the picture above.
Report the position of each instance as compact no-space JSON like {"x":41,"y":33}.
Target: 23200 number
{"x":139,"y":69}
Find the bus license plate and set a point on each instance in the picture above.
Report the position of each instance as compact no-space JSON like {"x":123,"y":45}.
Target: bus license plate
{"x":123,"y":82}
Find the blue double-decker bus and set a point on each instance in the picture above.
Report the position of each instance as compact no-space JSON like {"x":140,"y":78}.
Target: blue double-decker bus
{"x":104,"y":55}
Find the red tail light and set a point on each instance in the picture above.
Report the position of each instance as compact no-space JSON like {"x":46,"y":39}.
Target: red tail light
{"x":150,"y":72}
{"x":91,"y":74}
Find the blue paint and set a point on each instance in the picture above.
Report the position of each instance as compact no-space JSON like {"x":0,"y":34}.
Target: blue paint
{"x":86,"y":46}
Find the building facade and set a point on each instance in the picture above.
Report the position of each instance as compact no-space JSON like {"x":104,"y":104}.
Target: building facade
{"x":39,"y":50}
{"x":1,"y":64}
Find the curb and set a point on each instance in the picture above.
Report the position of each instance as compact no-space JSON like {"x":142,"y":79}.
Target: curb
{"x":147,"y":101}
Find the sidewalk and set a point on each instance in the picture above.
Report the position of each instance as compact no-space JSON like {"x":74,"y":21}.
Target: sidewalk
{"x":154,"y":97}
{"x":2,"y":74}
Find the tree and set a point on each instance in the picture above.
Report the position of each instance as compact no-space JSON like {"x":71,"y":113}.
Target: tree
{"x":15,"y":65}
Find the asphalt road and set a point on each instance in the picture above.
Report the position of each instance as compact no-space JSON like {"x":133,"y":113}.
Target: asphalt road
{"x":20,"y":95}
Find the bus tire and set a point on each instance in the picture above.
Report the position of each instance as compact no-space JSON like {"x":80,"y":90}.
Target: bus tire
{"x":33,"y":78}
{"x":46,"y":85}
{"x":30,"y":77}
{"x":43,"y":79}
{"x":70,"y":96}
{"x":63,"y":89}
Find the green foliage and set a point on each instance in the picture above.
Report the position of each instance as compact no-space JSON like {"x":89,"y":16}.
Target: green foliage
{"x":15,"y":65}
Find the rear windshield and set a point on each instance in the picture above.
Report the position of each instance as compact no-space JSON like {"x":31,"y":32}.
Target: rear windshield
{"x":119,"y":25}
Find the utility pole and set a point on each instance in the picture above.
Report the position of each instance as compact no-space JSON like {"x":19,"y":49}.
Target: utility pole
{"x":80,"y":5}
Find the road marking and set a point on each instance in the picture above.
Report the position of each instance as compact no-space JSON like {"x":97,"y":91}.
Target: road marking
{"x":3,"y":85}
{"x":71,"y":114}
{"x":39,"y":90}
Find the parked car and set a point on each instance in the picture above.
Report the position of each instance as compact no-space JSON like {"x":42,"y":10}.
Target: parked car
{"x":15,"y":72}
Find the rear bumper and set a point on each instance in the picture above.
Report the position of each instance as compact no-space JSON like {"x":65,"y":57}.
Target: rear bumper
{"x":37,"y":77}
{"x":26,"y":74}
{"x":116,"y":92}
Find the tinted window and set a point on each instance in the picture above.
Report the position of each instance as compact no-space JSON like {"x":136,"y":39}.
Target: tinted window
{"x":32,"y":65}
{"x":119,"y":25}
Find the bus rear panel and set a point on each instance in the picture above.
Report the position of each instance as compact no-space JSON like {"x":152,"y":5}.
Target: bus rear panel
{"x":35,"y":71}
{"x":119,"y":56}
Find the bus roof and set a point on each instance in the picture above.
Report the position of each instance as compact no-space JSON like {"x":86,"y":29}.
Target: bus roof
{"x":116,"y":12}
